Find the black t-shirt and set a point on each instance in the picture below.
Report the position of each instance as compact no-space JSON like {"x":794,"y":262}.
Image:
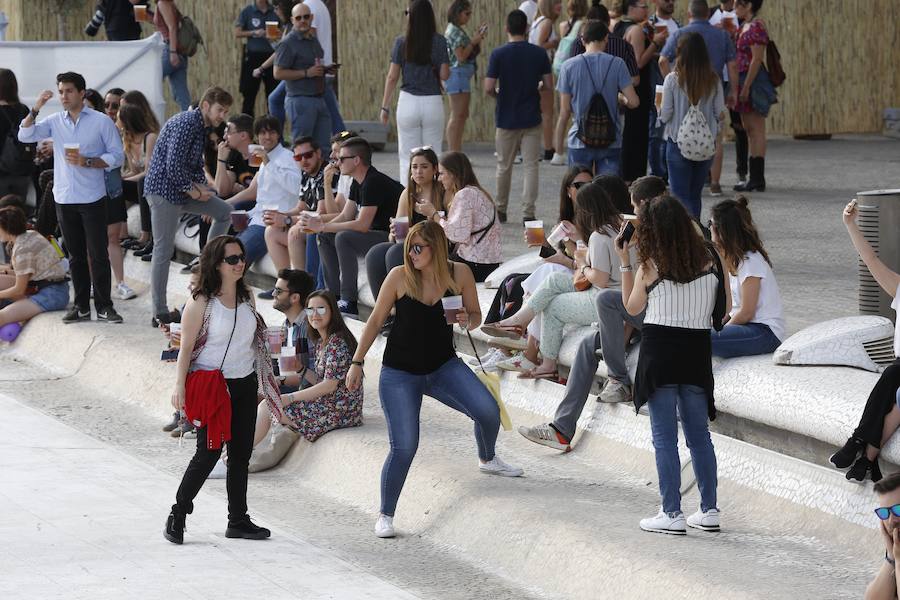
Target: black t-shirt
{"x":14,"y":114}
{"x":377,"y":189}
{"x":120,"y":23}
{"x":238,"y":165}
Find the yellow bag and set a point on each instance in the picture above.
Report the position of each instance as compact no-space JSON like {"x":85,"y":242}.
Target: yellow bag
{"x":492,"y":382}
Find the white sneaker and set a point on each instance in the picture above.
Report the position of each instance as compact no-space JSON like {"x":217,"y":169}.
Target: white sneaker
{"x":516,"y":363}
{"x":490,"y":358}
{"x":707,"y":521}
{"x":615,"y":391}
{"x":545,"y":436}
{"x":384,"y":526}
{"x":220,"y":471}
{"x":671,"y":523}
{"x":123,"y":292}
{"x":497,"y":467}
{"x":558,"y":159}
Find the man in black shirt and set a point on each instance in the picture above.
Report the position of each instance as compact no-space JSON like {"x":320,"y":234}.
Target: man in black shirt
{"x":119,"y":18}
{"x":347,"y":238}
{"x":233,"y":153}
{"x":251,"y":24}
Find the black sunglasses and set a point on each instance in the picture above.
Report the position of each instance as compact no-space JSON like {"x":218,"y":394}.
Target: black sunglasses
{"x":302,"y":18}
{"x":112,"y":105}
{"x":343,"y":158}
{"x":418,"y":249}
{"x":884,"y":512}
{"x":234,"y":259}
{"x":579,"y":184}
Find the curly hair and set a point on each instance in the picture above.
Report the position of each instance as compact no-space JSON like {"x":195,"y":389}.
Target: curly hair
{"x":735,"y":232}
{"x":669,"y":238}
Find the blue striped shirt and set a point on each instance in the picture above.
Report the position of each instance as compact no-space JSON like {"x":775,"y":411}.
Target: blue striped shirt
{"x":177,"y":161}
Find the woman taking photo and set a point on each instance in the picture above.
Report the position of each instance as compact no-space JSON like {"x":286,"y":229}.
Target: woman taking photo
{"x":327,"y":404}
{"x":693,"y":83}
{"x":756,"y":322}
{"x":421,"y":56}
{"x":756,"y":94}
{"x":680,"y":283}
{"x":419,"y":359}
{"x":543,"y":34}
{"x":222,"y":344}
{"x":463,"y":50}
{"x":881,"y":416}
{"x":422,"y":187}
{"x":35,"y":279}
{"x":139,"y":133}
{"x":471,"y":217}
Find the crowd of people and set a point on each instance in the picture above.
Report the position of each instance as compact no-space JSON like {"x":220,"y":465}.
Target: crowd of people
{"x":635,"y":92}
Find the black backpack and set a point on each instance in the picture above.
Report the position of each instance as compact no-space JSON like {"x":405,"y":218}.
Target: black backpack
{"x":597,"y":126}
{"x":16,"y":158}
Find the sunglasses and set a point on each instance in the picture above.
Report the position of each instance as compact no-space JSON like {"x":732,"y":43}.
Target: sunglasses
{"x":234,"y":259}
{"x":418,"y":249}
{"x":112,"y":105}
{"x":884,"y":512}
{"x":343,"y":158}
{"x":579,"y":184}
{"x":420,"y":149}
{"x":302,"y":18}
{"x":316,"y":310}
{"x":304,"y":155}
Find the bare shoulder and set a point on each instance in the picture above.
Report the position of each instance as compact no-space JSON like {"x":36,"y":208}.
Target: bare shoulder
{"x":462,"y":274}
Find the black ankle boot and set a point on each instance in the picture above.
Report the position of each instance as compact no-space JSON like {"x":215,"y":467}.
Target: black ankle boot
{"x":844,"y":457}
{"x":175,"y":525}
{"x":757,"y":181}
{"x":247,"y":529}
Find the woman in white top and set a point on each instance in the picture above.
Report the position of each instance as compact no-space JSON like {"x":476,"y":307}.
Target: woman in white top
{"x":881,"y":416}
{"x":682,"y":286}
{"x":756,"y":322}
{"x":222,"y":336}
{"x":543,"y":34}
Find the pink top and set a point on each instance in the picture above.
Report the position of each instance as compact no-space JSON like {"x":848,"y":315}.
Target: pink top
{"x":754,"y":34}
{"x":470,"y":211}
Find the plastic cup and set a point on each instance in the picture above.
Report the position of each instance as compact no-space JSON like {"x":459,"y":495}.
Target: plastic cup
{"x":72,"y":150}
{"x":659,"y":96}
{"x":657,"y":29}
{"x":401,"y":228}
{"x":452,"y":307}
{"x":559,"y":233}
{"x":271,"y":29}
{"x":728,"y":24}
{"x":275,"y":338}
{"x":175,"y":335}
{"x":140,"y":13}
{"x":240,"y":220}
{"x":534,"y":233}
{"x":288,"y":363}
{"x":311,"y":216}
{"x":254,"y":160}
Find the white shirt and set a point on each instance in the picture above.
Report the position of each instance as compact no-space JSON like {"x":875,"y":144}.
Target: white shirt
{"x":277,"y":184}
{"x":240,"y":359}
{"x":322,"y":22}
{"x":715,"y":19}
{"x":896,"y":306}
{"x":529,"y":7}
{"x":769,"y":310}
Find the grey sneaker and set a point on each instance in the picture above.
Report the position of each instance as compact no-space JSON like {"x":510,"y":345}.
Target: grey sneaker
{"x":615,"y":391}
{"x":545,"y":436}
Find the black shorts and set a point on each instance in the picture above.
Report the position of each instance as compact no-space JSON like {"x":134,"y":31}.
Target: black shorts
{"x":115,"y":210}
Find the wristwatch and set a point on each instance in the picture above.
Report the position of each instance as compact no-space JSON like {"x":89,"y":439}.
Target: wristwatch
{"x":358,"y":363}
{"x":288,"y":221}
{"x":89,"y":162}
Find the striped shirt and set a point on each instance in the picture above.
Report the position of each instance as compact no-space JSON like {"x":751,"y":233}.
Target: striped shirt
{"x":615,"y":46}
{"x":685,"y":305}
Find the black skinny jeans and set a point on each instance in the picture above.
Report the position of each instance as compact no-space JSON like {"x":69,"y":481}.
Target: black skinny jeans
{"x":881,"y":400}
{"x":243,"y":425}
{"x":84,"y":231}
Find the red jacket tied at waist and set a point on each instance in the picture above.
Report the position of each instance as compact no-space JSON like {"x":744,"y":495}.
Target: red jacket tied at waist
{"x":208,"y":404}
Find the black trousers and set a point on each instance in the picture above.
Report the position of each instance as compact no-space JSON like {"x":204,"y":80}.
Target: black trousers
{"x":83,"y":228}
{"x":249,"y":85}
{"x":243,"y":425}
{"x":881,"y":400}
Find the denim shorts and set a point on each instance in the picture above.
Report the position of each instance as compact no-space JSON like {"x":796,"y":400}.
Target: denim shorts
{"x":460,"y":80}
{"x":52,"y":297}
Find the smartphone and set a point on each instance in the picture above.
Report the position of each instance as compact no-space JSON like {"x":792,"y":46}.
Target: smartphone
{"x":546,"y":252}
{"x":627,"y":234}
{"x":170,"y":354}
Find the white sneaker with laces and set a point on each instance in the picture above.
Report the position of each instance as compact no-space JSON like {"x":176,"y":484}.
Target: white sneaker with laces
{"x":707,"y":521}
{"x":123,"y":292}
{"x":384,"y":526}
{"x":558,"y":159}
{"x":517,"y":362}
{"x":496,"y":466}
{"x":670,"y":523}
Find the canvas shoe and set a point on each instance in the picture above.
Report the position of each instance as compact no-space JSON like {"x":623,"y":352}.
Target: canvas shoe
{"x":545,"y":435}
{"x":516,"y":363}
{"x":670,"y":523}
{"x":384,"y":527}
{"x":123,"y":292}
{"x":558,"y":159}
{"x":707,"y":521}
{"x":497,"y":467}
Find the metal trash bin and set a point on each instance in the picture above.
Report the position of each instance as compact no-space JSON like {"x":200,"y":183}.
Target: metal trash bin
{"x":879,"y":221}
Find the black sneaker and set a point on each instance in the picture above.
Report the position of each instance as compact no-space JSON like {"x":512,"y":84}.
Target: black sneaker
{"x":173,"y":316}
{"x":863,"y":467}
{"x":145,"y":249}
{"x":266,"y":295}
{"x":844,"y":457}
{"x":245,"y":528}
{"x":75,"y":315}
{"x":109,"y":315}
{"x":501,"y":216}
{"x":175,"y":526}
{"x":186,"y":269}
{"x":548,"y":153}
{"x":173,"y":424}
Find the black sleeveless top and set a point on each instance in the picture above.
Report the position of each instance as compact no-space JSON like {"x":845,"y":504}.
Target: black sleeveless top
{"x":420,"y":341}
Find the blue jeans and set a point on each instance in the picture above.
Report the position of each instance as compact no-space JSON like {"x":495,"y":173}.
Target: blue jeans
{"x":309,"y":116}
{"x":276,"y":102}
{"x":691,"y":406}
{"x":313,"y":265}
{"x":52,"y":297}
{"x":337,"y":122}
{"x":686,"y":178}
{"x":656,"y":149}
{"x":254,"y":240}
{"x":453,"y":384}
{"x":177,"y":79}
{"x":460,"y":81}
{"x":602,"y":161}
{"x":749,"y":339}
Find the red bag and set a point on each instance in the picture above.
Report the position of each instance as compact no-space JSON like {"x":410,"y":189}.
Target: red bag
{"x":207,"y":403}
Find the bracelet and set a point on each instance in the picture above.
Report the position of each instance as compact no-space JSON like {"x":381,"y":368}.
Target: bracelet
{"x":625,"y":268}
{"x":888,"y":559}
{"x":386,"y":109}
{"x":34,"y":113}
{"x":224,"y":162}
{"x":358,"y":363}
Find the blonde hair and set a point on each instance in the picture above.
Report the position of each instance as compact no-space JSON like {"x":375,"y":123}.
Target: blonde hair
{"x":545,"y":8}
{"x":432,"y":234}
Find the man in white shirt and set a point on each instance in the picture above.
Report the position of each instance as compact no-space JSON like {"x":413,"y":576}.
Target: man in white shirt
{"x":321,"y":24}
{"x":275,"y":186}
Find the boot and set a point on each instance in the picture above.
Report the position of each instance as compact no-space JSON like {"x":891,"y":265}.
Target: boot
{"x":175,"y":525}
{"x":247,"y":529}
{"x":741,"y":148}
{"x":757,"y":181}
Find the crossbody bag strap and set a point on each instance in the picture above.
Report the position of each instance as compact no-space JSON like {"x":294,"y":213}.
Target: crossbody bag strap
{"x":484,"y":230}
{"x":233,"y":327}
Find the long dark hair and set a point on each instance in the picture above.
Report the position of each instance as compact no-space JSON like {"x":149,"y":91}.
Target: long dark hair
{"x":9,"y":87}
{"x":412,"y":189}
{"x":420,"y":30}
{"x":210,"y":284}
{"x":668,"y":237}
{"x":461,"y":168}
{"x":336,"y":326}
{"x":693,"y":69}
{"x":566,"y":206}
{"x":615,"y":187}
{"x":736,"y":232}
{"x":137,"y":98}
{"x":594,"y":211}
{"x":135,"y":121}
{"x":95,"y":99}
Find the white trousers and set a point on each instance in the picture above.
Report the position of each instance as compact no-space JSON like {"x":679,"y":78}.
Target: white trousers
{"x":420,"y":122}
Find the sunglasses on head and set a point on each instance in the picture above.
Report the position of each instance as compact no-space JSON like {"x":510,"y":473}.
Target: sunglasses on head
{"x":304,"y":155}
{"x":316,"y":310}
{"x":234,"y":259}
{"x":884,"y":512}
{"x":420,"y":149}
{"x":418,"y":249}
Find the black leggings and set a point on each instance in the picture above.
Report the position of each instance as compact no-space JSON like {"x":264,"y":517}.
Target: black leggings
{"x":243,"y":425}
{"x":881,"y":400}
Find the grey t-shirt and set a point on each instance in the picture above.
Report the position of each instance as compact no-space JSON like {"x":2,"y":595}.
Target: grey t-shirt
{"x":422,"y":80}
{"x":300,"y":52}
{"x":587,"y":74}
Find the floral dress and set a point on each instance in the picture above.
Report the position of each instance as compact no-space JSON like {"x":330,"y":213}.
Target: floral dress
{"x":753,"y":34}
{"x":341,"y":408}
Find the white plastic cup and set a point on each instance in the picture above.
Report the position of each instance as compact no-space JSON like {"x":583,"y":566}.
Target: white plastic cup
{"x":452,"y":307}
{"x":559,"y":233}
{"x":401,"y":228}
{"x":175,"y":335}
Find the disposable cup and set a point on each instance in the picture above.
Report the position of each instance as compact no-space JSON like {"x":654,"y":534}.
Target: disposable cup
{"x":452,"y":307}
{"x":659,"y":97}
{"x":239,"y":220}
{"x":175,"y":335}
{"x":288,"y":363}
{"x":534,"y":233}
{"x":275,"y":338}
{"x":272,"y":30}
{"x":559,"y":233}
{"x":311,"y":217}
{"x":140,"y":13}
{"x":254,"y":160}
{"x":72,"y":150}
{"x":401,"y":228}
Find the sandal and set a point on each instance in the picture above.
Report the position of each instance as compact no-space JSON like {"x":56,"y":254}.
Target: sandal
{"x":513,"y":332}
{"x":535,"y":374}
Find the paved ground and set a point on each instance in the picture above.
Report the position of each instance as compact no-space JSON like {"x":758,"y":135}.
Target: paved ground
{"x":798,"y":216}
